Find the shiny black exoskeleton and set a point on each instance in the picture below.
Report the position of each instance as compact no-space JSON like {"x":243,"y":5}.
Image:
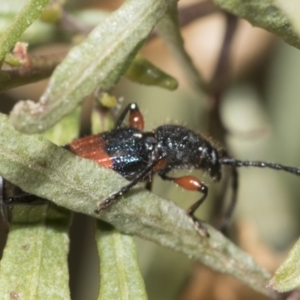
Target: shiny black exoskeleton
{"x":185,"y":149}
{"x":180,"y":148}
{"x":131,"y":150}
{"x":137,"y":155}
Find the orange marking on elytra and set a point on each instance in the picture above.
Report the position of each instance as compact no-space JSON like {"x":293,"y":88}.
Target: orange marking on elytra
{"x":92,"y":147}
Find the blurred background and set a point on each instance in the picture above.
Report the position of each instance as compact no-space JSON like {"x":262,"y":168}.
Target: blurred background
{"x":251,"y":108}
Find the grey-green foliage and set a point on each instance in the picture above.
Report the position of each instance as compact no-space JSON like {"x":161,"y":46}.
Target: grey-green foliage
{"x":98,"y":61}
{"x":41,"y":168}
{"x":34,"y":264}
{"x":29,"y":13}
{"x":120,"y":277}
{"x":287,"y":276}
{"x":265,"y":14}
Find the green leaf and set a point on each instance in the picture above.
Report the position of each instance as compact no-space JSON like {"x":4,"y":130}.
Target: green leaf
{"x":98,"y":61}
{"x":66,"y":130}
{"x":41,"y":168}
{"x":287,"y":276}
{"x":120,"y":277}
{"x":169,"y":29}
{"x":34,"y":264}
{"x":30,"y":12}
{"x":291,"y":8}
{"x":263,"y":14}
{"x":144,"y":72}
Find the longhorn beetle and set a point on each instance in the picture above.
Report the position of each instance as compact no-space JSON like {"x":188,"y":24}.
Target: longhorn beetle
{"x":137,"y":155}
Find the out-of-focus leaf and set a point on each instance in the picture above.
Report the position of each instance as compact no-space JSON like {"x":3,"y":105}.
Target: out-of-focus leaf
{"x":120,"y":277}
{"x":168,"y":28}
{"x":41,"y":168}
{"x":103,"y":120}
{"x":291,"y":8}
{"x":108,"y":100}
{"x":30,"y":12}
{"x":98,"y":61}
{"x":263,"y":14}
{"x":52,"y":12}
{"x":66,"y":130}
{"x":144,"y":72}
{"x":287,"y":276}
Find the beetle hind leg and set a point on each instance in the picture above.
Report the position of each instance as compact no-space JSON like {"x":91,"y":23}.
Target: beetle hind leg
{"x":192,"y":183}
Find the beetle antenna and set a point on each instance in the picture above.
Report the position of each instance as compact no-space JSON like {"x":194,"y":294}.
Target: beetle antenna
{"x":234,"y":163}
{"x":258,"y":164}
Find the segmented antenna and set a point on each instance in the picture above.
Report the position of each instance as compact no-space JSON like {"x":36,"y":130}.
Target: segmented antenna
{"x":258,"y":164}
{"x":234,"y":163}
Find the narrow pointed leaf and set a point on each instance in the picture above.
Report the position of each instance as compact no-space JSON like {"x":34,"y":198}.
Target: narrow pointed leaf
{"x":263,"y":14}
{"x":41,"y":168}
{"x":291,"y":8}
{"x":98,"y":61}
{"x":29,"y":13}
{"x":168,"y":28}
{"x":120,"y":277}
{"x":34,"y":265}
{"x":287,"y":276}
{"x":144,"y":72}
